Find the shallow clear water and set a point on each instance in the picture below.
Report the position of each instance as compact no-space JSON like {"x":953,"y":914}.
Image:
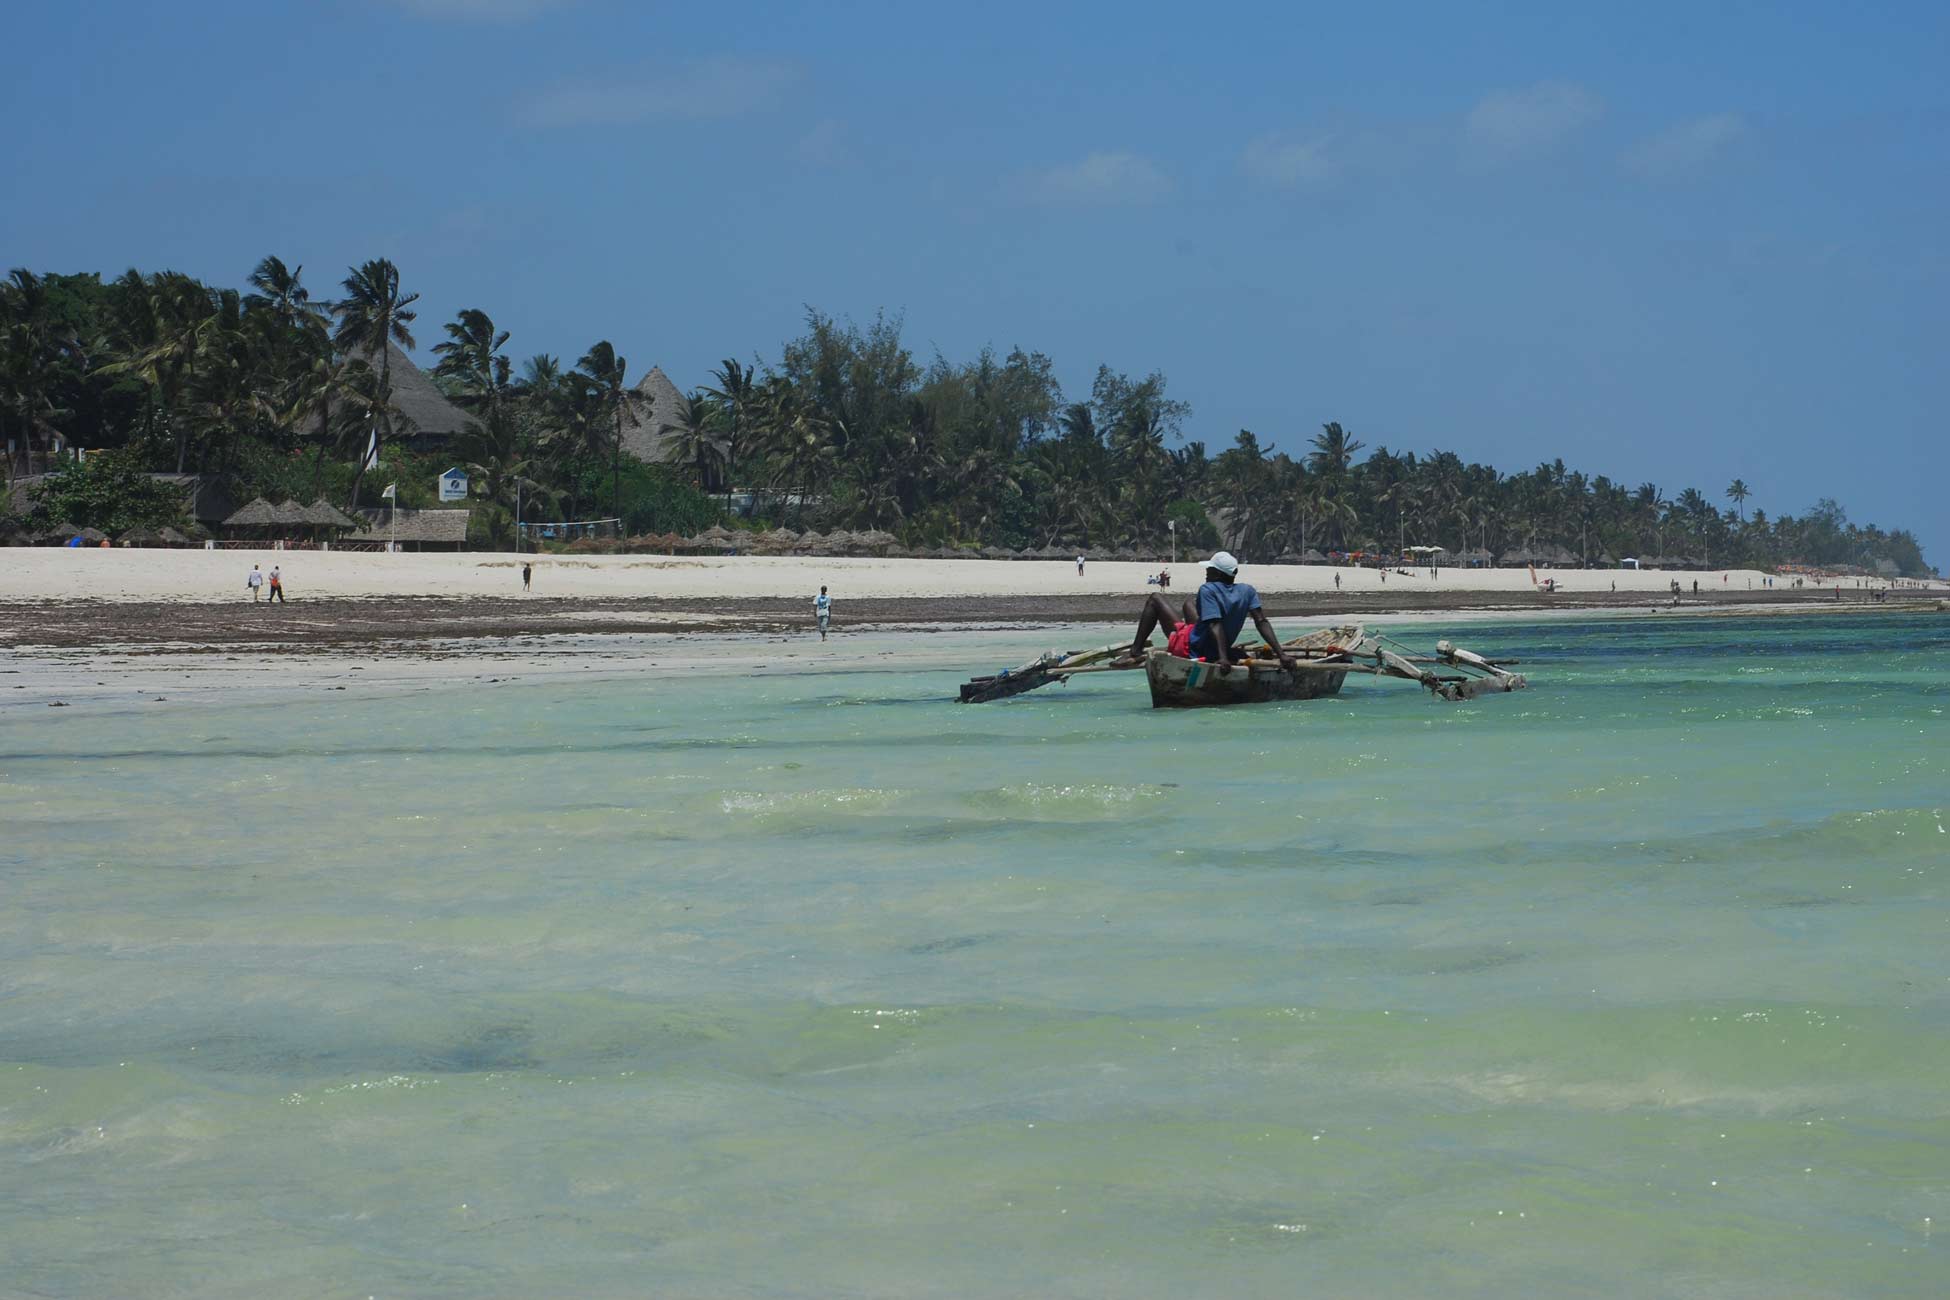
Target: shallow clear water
{"x":812,"y":983}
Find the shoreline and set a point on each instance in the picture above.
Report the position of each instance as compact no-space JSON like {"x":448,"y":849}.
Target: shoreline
{"x":416,"y":625}
{"x":107,"y":675}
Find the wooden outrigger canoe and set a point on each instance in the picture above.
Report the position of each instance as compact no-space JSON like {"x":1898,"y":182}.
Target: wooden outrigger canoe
{"x":1323,"y":661}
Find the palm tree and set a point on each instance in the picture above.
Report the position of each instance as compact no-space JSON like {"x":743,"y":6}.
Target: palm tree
{"x":1738,"y":492}
{"x":27,"y":358}
{"x":736,"y":388}
{"x":471,"y":357}
{"x":168,"y":316}
{"x":372,"y":315}
{"x":1331,"y":460}
{"x":607,"y":373}
{"x":504,"y":469}
{"x":693,"y":441}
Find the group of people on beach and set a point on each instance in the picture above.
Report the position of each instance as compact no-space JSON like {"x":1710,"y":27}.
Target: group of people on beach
{"x":268,"y":587}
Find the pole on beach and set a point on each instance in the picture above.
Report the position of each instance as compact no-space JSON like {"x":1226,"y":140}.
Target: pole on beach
{"x":1172,"y":526}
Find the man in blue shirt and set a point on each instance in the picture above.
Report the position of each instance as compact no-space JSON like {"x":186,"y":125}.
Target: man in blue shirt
{"x":1212,"y":621}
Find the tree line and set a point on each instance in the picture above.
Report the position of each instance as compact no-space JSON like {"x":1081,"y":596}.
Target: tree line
{"x":277,"y":393}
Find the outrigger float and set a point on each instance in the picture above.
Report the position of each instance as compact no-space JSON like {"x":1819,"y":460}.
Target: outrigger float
{"x":1322,"y":662}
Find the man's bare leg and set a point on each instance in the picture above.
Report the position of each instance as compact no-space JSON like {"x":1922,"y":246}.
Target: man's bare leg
{"x":1156,"y":616}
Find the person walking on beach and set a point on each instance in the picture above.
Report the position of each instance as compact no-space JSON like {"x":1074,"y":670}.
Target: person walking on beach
{"x":255,"y":582}
{"x":527,"y":573}
{"x":1079,"y":566}
{"x":823,"y":611}
{"x":277,"y":587}
{"x":1337,"y":582}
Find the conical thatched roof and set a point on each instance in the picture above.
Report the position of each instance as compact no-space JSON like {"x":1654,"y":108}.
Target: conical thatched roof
{"x":140,"y":535}
{"x":173,"y":538}
{"x":257,"y":513}
{"x":61,"y":531}
{"x":414,"y":394}
{"x":324,"y":514}
{"x":93,"y":535}
{"x":809,"y":543}
{"x":779,"y":540}
{"x":1521,"y":555}
{"x":658,"y":406}
{"x":719,"y":533}
{"x":290,"y":512}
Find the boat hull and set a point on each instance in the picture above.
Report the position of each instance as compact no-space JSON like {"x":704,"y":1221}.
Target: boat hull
{"x":1192,"y":684}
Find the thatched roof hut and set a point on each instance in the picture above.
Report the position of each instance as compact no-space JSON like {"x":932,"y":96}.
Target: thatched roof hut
{"x":429,"y":416}
{"x":56,"y":535}
{"x":171,"y":537}
{"x":323,"y":514}
{"x":1478,"y":558}
{"x":93,"y":535}
{"x":1517,"y":558}
{"x":419,"y":529}
{"x":141,"y":535}
{"x":659,"y":407}
{"x":875,"y":539}
{"x":257,"y":513}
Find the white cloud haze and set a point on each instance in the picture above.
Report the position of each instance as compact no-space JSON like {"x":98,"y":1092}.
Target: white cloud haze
{"x":1509,"y":126}
{"x":1117,"y":176}
{"x":1685,"y":148}
{"x":722,"y":86}
{"x":1288,"y":159}
{"x":492,"y":11}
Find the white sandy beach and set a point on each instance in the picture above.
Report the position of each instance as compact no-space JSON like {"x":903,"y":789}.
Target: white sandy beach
{"x":195,"y":575}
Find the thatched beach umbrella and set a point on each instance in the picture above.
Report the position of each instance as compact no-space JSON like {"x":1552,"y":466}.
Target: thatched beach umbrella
{"x":140,"y":535}
{"x":170,"y":537}
{"x":1518,"y":558}
{"x":776,"y":542}
{"x":257,"y":513}
{"x":93,"y":535}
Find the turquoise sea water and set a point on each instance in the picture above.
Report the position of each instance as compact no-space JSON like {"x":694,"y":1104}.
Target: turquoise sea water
{"x":812,"y":983}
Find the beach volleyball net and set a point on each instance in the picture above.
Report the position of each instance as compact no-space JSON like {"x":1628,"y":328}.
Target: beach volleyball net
{"x":570,"y":530}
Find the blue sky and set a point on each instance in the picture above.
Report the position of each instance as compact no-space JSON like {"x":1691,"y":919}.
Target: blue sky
{"x":1675,"y":242}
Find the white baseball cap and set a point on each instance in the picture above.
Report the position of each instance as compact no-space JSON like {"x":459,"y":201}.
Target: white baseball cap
{"x":1225,"y":562}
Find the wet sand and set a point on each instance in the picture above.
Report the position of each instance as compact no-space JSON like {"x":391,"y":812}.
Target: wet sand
{"x":419,"y":624}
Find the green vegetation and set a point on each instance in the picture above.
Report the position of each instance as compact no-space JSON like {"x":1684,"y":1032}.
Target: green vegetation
{"x":277,"y":395}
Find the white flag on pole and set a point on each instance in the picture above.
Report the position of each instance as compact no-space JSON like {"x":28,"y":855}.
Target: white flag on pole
{"x":388,"y":493}
{"x":372,"y":451}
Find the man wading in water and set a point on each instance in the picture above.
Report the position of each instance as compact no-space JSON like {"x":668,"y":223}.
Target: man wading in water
{"x":1209,"y":627}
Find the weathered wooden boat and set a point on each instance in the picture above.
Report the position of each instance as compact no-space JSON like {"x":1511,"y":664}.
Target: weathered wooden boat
{"x":1321,"y":662}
